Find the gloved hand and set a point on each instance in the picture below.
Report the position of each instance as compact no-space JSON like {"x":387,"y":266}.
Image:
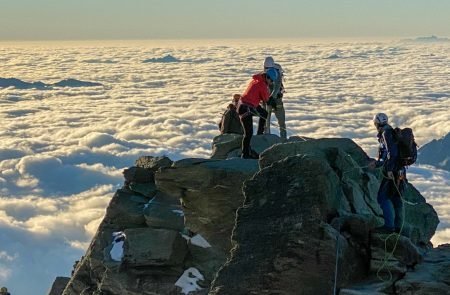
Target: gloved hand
{"x":372,"y":164}
{"x":390,"y":175}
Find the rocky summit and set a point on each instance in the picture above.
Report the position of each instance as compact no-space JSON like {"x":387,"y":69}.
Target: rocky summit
{"x":298,"y":221}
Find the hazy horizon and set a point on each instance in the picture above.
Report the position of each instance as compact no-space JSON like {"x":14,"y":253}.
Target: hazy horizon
{"x":203,"y":19}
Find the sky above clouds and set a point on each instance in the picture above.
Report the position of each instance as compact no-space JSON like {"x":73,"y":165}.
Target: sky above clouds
{"x":177,"y":19}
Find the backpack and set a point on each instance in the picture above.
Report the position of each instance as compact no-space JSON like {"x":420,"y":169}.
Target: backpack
{"x":407,"y":146}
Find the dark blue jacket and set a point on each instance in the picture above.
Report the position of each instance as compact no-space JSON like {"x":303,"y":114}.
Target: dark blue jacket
{"x":388,"y":154}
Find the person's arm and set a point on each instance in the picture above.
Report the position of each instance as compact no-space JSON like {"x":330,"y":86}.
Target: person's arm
{"x":276,"y":87}
{"x":264,"y":93}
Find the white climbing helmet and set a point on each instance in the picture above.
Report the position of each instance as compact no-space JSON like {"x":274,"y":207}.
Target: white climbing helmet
{"x":269,"y":62}
{"x":380,"y":119}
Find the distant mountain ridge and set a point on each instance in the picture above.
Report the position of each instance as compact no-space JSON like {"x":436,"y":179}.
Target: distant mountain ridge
{"x":436,"y":153}
{"x":428,"y":39}
{"x":20,"y":84}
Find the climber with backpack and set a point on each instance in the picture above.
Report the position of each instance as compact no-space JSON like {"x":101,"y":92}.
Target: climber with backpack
{"x":230,"y":122}
{"x":248,"y":106}
{"x":393,"y":157}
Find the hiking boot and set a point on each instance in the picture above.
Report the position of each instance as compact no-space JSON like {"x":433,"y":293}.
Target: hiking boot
{"x":383,"y":230}
{"x":254,"y":154}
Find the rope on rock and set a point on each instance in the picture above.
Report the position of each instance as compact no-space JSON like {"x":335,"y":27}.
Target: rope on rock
{"x":397,"y":235}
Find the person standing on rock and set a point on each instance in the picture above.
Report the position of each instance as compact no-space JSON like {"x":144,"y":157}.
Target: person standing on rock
{"x":394,"y":176}
{"x":275,"y":103}
{"x":248,"y":106}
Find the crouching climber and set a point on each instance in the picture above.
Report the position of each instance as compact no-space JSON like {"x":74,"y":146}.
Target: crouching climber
{"x":257,"y":91}
{"x":230,"y":122}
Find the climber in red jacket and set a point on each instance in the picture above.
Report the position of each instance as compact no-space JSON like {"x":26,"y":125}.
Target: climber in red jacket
{"x":248,"y":106}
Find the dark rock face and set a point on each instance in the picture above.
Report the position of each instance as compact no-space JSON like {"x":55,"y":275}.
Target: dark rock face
{"x":183,"y":220}
{"x":227,"y":146}
{"x":307,"y":209}
{"x":436,"y":153}
{"x":306,"y":197}
{"x":58,"y":286}
{"x":283,"y":243}
{"x":430,"y":277}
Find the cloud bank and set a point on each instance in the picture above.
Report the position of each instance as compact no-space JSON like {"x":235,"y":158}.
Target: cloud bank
{"x":62,"y":149}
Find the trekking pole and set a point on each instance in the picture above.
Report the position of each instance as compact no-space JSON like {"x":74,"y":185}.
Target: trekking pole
{"x":337,"y":258}
{"x":276,"y":125}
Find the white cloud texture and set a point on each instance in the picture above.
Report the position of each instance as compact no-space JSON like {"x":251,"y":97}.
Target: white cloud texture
{"x":62,"y":150}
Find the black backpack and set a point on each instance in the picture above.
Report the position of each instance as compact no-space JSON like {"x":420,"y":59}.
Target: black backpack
{"x":407,"y":146}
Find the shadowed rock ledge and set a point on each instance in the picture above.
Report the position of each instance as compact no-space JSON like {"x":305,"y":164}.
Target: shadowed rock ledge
{"x":235,"y":226}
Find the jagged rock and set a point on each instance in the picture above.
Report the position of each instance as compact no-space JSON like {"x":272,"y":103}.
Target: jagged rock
{"x":146,"y":189}
{"x":372,"y":286}
{"x":421,"y":219}
{"x":282,"y":243}
{"x":124,"y":211}
{"x":160,"y":213}
{"x":300,"y":188}
{"x":153,"y":247}
{"x":359,"y":184}
{"x":127,"y":209}
{"x":138,"y":175}
{"x":393,"y":253}
{"x":210,"y":191}
{"x":308,"y":201}
{"x":58,"y":286}
{"x":226,"y":146}
{"x":430,"y":277}
{"x":153,"y":163}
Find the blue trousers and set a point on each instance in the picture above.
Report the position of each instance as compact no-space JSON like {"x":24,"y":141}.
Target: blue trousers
{"x":391,"y":203}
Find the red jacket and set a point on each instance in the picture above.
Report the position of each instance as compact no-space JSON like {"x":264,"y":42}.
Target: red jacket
{"x":257,"y":90}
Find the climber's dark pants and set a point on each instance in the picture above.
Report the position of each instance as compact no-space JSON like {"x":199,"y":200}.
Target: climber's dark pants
{"x":246,"y":114}
{"x":391,"y":203}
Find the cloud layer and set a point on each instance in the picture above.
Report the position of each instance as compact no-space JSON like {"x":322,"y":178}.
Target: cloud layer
{"x":62,"y":150}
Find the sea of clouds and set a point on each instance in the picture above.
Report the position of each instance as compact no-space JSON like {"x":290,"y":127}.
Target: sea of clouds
{"x":63,"y":147}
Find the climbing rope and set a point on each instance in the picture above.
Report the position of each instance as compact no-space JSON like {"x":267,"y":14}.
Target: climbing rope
{"x":387,"y":254}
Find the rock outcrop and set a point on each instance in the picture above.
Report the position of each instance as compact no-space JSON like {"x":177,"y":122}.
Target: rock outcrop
{"x":171,"y":216}
{"x":58,"y":286}
{"x":295,"y":222}
{"x":308,"y":198}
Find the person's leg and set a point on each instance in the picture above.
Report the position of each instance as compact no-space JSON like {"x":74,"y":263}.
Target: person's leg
{"x":386,"y":204}
{"x":247,"y":124}
{"x":281,"y":117}
{"x":269,"y":114}
{"x":262,"y":113}
{"x":398,"y":205}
